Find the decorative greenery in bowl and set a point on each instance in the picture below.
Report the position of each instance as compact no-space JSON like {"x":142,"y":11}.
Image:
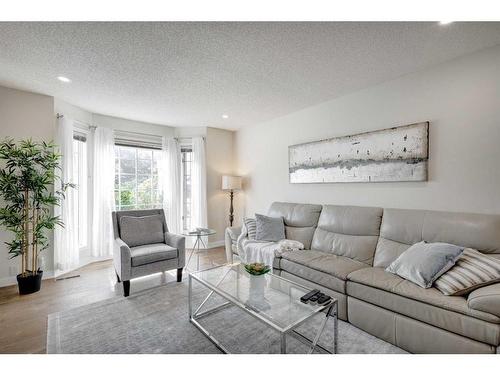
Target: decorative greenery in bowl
{"x":257,"y":269}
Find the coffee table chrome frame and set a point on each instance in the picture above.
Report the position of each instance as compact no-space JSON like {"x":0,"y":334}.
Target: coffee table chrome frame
{"x":330,"y":308}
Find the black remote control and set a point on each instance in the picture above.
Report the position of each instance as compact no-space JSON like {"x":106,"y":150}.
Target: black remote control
{"x":314,"y":298}
{"x":324,"y":299}
{"x":308,"y":296}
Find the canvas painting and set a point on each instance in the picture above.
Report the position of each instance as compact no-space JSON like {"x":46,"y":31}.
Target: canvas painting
{"x":395,"y":154}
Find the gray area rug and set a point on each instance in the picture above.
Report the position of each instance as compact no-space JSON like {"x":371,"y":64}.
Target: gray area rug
{"x":156,"y":321}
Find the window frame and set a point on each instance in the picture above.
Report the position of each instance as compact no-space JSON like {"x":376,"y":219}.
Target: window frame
{"x":118,"y":176}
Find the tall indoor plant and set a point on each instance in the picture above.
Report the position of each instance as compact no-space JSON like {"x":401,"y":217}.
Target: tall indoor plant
{"x":27,"y":179}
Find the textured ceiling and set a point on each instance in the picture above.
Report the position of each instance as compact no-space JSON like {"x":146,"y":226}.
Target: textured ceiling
{"x":189,"y":74}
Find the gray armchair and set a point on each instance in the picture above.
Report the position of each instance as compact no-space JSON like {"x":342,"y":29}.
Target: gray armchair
{"x":143,"y":246}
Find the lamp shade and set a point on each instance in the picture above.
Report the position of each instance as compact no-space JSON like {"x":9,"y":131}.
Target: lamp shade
{"x":231,"y":183}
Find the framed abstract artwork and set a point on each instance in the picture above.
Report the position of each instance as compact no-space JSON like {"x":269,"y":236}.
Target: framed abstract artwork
{"x":396,"y":154}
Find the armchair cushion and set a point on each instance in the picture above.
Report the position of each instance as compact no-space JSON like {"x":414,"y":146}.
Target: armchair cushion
{"x":486,"y":299}
{"x":141,"y":230}
{"x":146,"y":254}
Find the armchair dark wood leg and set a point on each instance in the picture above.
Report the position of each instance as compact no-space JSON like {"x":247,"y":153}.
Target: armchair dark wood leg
{"x":179,"y":275}
{"x":118,"y":278}
{"x":126,"y":288}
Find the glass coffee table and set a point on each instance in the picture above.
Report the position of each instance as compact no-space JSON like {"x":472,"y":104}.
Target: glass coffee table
{"x":271,"y":299}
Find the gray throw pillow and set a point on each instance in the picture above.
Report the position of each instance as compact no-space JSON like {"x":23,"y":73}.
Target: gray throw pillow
{"x":142,"y":230}
{"x":269,"y":228}
{"x":424,"y":262}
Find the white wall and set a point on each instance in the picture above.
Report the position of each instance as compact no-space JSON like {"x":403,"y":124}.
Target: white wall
{"x":72,"y":112}
{"x":220,"y":161}
{"x":461,"y":99}
{"x":24,"y":115}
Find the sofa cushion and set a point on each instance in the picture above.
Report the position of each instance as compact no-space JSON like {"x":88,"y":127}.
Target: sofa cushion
{"x":142,"y":230}
{"x":380,"y":288}
{"x":146,"y":254}
{"x":486,"y":299}
{"x":328,"y":270}
{"x":378,"y":278}
{"x":302,"y":235}
{"x":348,"y":231}
{"x":402,"y":228}
{"x":300,"y":220}
{"x":424,"y":262}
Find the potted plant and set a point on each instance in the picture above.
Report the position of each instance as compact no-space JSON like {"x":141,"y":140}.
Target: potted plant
{"x":27,"y":179}
{"x":257,"y":285}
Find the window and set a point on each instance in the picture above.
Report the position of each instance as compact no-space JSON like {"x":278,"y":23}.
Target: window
{"x":80,"y":178}
{"x":136,"y":178}
{"x":186,"y":157}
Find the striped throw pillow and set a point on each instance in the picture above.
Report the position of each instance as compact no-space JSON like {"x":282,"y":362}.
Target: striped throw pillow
{"x":471,"y":271}
{"x":251,"y":227}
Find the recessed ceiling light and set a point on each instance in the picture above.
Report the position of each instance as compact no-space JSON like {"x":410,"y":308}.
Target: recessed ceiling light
{"x":445,"y":22}
{"x":64,"y":79}
{"x":225,"y":117}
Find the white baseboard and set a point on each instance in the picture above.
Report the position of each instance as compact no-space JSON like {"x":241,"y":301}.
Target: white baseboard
{"x":11,"y":280}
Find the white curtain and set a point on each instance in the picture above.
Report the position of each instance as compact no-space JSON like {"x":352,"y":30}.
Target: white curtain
{"x":170,"y":183}
{"x":198,"y":185}
{"x":103,"y":196}
{"x":66,"y":251}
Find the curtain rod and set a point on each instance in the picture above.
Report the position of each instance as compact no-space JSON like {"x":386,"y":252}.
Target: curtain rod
{"x":92,"y":127}
{"x":60,"y":115}
{"x":186,"y":138}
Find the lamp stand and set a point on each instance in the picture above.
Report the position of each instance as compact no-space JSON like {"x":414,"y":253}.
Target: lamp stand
{"x":231,"y":210}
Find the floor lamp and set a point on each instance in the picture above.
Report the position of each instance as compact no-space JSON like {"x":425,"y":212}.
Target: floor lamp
{"x":231,"y":183}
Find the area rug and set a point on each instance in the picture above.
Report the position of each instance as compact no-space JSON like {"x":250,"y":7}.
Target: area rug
{"x":156,"y":321}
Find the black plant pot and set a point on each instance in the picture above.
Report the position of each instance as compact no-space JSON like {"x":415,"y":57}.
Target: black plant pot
{"x":29,"y":284}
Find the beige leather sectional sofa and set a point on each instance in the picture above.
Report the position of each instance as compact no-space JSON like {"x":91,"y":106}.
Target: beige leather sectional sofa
{"x":348,"y":250}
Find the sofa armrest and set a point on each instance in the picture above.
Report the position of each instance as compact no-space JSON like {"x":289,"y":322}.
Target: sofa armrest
{"x":122,"y":259}
{"x":233,"y":232}
{"x":230,"y":237}
{"x":486,"y":299}
{"x":179,"y":242}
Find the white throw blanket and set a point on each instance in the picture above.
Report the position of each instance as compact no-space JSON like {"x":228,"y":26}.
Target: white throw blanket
{"x":254,"y":251}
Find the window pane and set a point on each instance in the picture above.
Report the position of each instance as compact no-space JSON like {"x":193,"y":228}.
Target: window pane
{"x":144,"y":197}
{"x":127,"y":198}
{"x":144,"y":182}
{"x":144,"y":166}
{"x":128,"y":153}
{"x":127,"y":166}
{"x":144,"y":154}
{"x":128,"y":181}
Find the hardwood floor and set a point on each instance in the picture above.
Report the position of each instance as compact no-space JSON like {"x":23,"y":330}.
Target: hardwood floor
{"x":23,"y":319}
